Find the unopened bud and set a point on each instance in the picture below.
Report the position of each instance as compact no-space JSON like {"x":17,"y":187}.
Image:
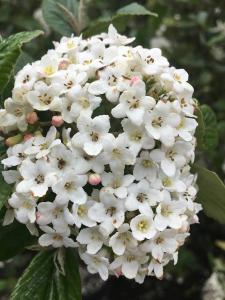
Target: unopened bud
{"x":13,"y":140}
{"x":57,"y":121}
{"x":94,"y":179}
{"x":63,"y":65}
{"x":32,"y":118}
{"x":27,"y":136}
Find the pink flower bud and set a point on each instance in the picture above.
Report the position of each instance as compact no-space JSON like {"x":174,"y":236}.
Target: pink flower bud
{"x":27,"y":136}
{"x":63,"y":65}
{"x":32,"y":117}
{"x":94,"y":179}
{"x":134,"y":80}
{"x":13,"y":140}
{"x":57,"y":121}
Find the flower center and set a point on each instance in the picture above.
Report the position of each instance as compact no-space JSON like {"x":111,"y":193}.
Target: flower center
{"x":39,"y":179}
{"x":143,"y":226}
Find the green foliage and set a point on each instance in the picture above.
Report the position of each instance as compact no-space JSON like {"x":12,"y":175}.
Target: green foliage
{"x":10,"y":49}
{"x":61,"y":15}
{"x":42,"y":280}
{"x":13,"y":239}
{"x":118,"y":19}
{"x":207,"y":130}
{"x":211,"y":193}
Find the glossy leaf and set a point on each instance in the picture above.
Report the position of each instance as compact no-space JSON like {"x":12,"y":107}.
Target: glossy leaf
{"x":42,"y":280}
{"x":10,"y":49}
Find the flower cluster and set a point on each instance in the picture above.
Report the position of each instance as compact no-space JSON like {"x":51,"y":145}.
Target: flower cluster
{"x":102,"y":158}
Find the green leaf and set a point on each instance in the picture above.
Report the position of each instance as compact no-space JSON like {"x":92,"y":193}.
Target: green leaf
{"x":135,"y":9}
{"x":13,"y":239}
{"x":211,"y":130}
{"x":61,"y":15}
{"x":211,"y":193}
{"x":42,"y":281}
{"x":9,"y":52}
{"x":119,"y":19}
{"x":207,"y":131}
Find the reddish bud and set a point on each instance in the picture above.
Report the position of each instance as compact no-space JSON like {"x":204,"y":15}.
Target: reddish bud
{"x":27,"y":136}
{"x":32,"y":117}
{"x":57,"y":121}
{"x":94,"y":179}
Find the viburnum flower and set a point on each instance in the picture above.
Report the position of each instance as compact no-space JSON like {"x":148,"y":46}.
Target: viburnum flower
{"x":101,"y":138}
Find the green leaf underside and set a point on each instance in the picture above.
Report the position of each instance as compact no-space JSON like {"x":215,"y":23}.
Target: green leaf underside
{"x":9,"y":53}
{"x":211,"y":193}
{"x":42,"y":281}
{"x":56,"y":17}
{"x":207,"y":130}
{"x":211,"y":131}
{"x":13,"y":239}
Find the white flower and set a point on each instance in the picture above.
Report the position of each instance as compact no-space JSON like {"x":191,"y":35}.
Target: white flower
{"x":45,"y":97}
{"x":163,"y":242}
{"x":155,"y":268}
{"x":133,"y":104}
{"x":172,"y":158}
{"x":122,"y":240}
{"x":169,"y":214}
{"x":152,"y":60}
{"x":141,"y":197}
{"x":116,"y":183}
{"x":143,"y":227}
{"x":117,"y":154}
{"x":137,"y":137}
{"x":92,"y":133}
{"x":129,"y":263}
{"x":80,"y":214}
{"x":109,"y":212}
{"x":177,"y":79}
{"x":16,"y":154}
{"x":70,"y":187}
{"x":52,"y":212}
{"x":37,"y":177}
{"x":41,"y":146}
{"x":97,"y":264}
{"x":91,"y":237}
{"x":145,"y":167}
{"x":24,"y":207}
{"x":161,"y":123}
{"x":55,"y":239}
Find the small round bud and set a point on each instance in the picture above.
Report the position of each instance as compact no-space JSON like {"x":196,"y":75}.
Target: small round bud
{"x":94,"y":179}
{"x":32,"y":118}
{"x":63,"y":65}
{"x":13,"y":140}
{"x":27,"y":136}
{"x":57,"y":121}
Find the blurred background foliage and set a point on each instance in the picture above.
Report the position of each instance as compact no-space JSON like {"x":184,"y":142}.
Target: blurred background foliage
{"x":191,"y":34}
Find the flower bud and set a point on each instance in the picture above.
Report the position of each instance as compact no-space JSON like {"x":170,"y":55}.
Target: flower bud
{"x":32,"y":118}
{"x":27,"y":136}
{"x":13,"y":140}
{"x":63,"y":65}
{"x":57,"y":121}
{"x":94,"y":179}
